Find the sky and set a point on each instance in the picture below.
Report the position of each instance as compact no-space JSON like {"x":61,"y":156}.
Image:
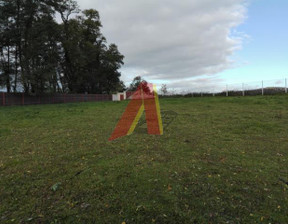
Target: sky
{"x":199,"y":44}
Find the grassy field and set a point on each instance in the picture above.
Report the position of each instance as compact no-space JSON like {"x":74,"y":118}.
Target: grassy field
{"x":221,"y":160}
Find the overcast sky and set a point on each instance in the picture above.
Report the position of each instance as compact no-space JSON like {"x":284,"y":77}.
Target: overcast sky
{"x":182,"y":43}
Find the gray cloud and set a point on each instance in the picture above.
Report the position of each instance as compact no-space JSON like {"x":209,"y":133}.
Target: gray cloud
{"x":172,"y":40}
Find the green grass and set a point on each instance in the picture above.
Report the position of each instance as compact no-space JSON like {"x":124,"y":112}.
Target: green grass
{"x":219,"y":161}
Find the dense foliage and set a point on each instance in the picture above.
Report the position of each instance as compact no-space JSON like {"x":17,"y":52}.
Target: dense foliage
{"x":39,"y":55}
{"x":135,"y":83}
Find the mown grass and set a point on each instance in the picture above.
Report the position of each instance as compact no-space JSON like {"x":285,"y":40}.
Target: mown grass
{"x":221,"y":160}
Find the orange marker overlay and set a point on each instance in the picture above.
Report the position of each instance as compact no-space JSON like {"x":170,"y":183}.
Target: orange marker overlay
{"x":144,"y":98}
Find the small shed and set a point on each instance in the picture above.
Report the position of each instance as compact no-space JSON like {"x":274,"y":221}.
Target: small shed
{"x":119,"y":96}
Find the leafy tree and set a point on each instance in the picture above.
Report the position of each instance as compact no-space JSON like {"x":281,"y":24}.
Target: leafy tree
{"x":6,"y":43}
{"x":135,"y":83}
{"x":88,"y":64}
{"x":44,"y":56}
{"x":164,"y":90}
{"x":111,"y":61}
{"x":27,"y":41}
{"x":120,"y":87}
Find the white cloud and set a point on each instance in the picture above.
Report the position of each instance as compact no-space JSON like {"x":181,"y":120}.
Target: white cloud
{"x":172,"y":40}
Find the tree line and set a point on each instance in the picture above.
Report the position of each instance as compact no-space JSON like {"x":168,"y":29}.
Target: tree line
{"x":40,"y":55}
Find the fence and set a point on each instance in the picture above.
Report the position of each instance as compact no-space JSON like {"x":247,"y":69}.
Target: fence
{"x":10,"y":99}
{"x":268,"y":87}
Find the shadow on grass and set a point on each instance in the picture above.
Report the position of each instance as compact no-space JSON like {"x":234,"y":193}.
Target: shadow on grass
{"x":168,"y":117}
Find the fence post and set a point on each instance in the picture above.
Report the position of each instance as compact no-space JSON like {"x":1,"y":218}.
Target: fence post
{"x":243,"y":90}
{"x":286,"y":85}
{"x":227,"y":94}
{"x":3,"y":99}
{"x":262,"y":88}
{"x":23,"y":100}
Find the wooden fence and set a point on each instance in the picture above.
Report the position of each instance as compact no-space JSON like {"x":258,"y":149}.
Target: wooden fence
{"x":11,"y":99}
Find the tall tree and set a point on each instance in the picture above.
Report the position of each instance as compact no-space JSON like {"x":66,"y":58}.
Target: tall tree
{"x":6,"y":43}
{"x":89,"y":65}
{"x":44,"y":56}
